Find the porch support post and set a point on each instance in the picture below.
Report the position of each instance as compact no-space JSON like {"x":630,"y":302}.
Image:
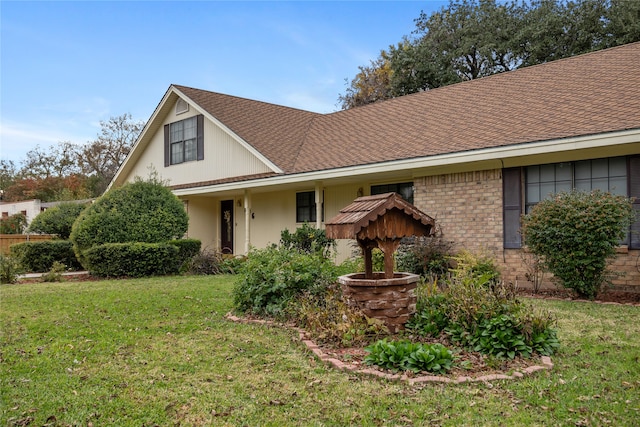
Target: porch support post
{"x":247,"y":221}
{"x":319,"y":203}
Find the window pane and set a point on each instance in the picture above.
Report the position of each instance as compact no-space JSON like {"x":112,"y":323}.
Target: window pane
{"x":564,"y":186}
{"x":583,"y":185}
{"x":176,"y":153}
{"x":618,"y":166}
{"x":599,"y":168}
{"x":618,"y":185}
{"x":600,"y":184}
{"x":563,"y":172}
{"x":190,"y":130}
{"x":533,"y":174}
{"x":176,"y":132}
{"x":547,"y":189}
{"x":190,"y":150}
{"x":583,"y":170}
{"x":547,"y":174}
{"x":533,"y":193}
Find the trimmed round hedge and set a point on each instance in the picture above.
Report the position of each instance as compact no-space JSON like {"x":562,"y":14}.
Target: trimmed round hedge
{"x":140,"y":211}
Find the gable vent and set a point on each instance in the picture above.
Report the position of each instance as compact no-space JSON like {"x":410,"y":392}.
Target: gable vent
{"x":181,"y":106}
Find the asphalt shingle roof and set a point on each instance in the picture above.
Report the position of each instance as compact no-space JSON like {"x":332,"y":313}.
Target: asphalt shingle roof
{"x":588,"y":94}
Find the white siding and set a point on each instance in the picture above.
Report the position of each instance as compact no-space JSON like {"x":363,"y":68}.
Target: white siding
{"x":224,"y":156}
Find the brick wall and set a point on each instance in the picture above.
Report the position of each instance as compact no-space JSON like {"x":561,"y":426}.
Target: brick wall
{"x":468,"y":208}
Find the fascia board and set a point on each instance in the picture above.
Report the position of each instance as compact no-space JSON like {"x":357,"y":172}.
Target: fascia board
{"x":236,"y":137}
{"x":497,"y":154}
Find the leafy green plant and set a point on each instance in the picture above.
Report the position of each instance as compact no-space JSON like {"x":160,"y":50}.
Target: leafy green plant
{"x":405,"y":355}
{"x":500,"y":336}
{"x":57,"y":219}
{"x":576,"y":233}
{"x":55,"y":273}
{"x":482,"y":316}
{"x":272,"y":277}
{"x":307,"y":239}
{"x":429,"y":319}
{"x":10,"y":269}
{"x":469,"y":265}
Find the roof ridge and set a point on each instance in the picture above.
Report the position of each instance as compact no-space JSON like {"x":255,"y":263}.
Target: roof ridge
{"x":257,"y":101}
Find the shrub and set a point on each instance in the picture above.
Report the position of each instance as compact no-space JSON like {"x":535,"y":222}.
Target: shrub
{"x":187,"y":249}
{"x":409,"y":356}
{"x":40,"y":256}
{"x":576,"y":233}
{"x":481,"y":316}
{"x":136,"y":212}
{"x":273,"y":277}
{"x":10,"y":269}
{"x":206,"y":262}
{"x":132,"y":259}
{"x":328,"y":317}
{"x":14,"y":224}
{"x":425,"y":256}
{"x":55,"y":274}
{"x":57,"y":220}
{"x":479,"y":267}
{"x":307,"y":239}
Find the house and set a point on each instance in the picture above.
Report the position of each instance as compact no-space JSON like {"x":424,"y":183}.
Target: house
{"x":474,"y":155}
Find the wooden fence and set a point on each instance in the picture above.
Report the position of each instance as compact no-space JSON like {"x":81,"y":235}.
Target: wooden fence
{"x":6,"y":240}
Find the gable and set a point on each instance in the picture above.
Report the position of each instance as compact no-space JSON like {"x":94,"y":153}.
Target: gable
{"x":222,"y":154}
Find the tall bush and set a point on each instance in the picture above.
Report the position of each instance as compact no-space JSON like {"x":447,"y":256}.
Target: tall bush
{"x":57,"y":220}
{"x":141,"y":211}
{"x":575,"y":233}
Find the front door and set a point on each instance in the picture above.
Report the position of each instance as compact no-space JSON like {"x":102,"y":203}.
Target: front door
{"x":226,"y":226}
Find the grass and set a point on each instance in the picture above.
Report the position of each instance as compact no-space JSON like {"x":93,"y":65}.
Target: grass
{"x":159,"y":351}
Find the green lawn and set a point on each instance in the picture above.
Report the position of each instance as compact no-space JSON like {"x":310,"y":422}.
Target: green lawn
{"x":159,"y":352}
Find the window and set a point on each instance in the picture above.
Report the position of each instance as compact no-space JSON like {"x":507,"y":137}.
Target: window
{"x":617,"y":175}
{"x":405,"y":189}
{"x":608,"y":175}
{"x":306,"y":207}
{"x":184,"y":141}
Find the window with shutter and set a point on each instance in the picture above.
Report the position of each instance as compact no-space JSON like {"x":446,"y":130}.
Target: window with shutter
{"x":184,"y":141}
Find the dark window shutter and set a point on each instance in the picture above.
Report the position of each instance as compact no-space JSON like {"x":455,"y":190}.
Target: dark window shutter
{"x":167,"y":147}
{"x":200,"y":142}
{"x":512,"y":205}
{"x":634,"y":191}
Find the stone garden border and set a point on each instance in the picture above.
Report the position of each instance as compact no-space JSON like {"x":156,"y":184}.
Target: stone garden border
{"x":547,"y":364}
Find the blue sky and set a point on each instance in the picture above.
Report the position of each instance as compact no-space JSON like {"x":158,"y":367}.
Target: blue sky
{"x":65,"y":66}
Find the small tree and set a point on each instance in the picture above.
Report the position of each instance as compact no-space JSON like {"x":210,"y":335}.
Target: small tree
{"x":57,"y":219}
{"x":576,"y":233}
